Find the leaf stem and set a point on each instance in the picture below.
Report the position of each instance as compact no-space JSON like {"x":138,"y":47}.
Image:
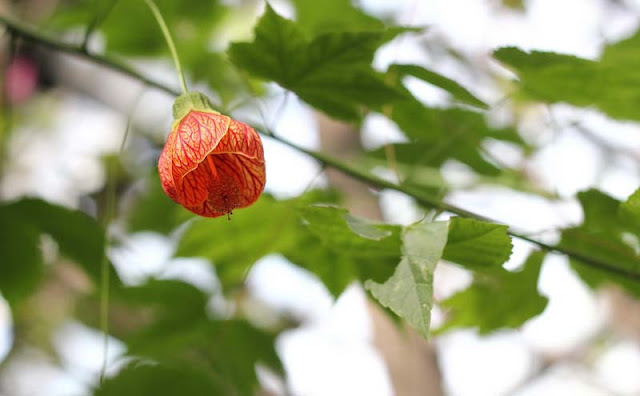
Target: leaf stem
{"x":104,"y":268}
{"x":169,"y":40}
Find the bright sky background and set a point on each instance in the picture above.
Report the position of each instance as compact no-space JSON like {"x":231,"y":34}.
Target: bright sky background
{"x":335,"y":339}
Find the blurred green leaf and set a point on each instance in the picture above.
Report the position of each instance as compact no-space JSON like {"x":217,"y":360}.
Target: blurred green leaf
{"x":227,"y":349}
{"x":190,"y":22}
{"x":331,"y":71}
{"x":142,"y":379}
{"x":409,"y":291}
{"x":235,"y":245}
{"x":477,"y":245}
{"x":609,"y":84}
{"x":456,"y":90}
{"x":20,"y":258}
{"x":629,"y":211}
{"x":169,"y":325}
{"x":268,"y":226}
{"x":79,"y":238}
{"x":603,"y":236}
{"x":153,"y":210}
{"x":500,"y":300}
{"x":172,"y":300}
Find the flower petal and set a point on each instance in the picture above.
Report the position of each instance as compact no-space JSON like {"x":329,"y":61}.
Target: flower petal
{"x":198,"y":134}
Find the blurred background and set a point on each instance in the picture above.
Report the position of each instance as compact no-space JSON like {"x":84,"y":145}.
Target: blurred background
{"x":65,"y":117}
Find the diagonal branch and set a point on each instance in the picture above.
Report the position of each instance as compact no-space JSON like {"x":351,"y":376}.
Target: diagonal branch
{"x":429,"y":201}
{"x":32,"y":34}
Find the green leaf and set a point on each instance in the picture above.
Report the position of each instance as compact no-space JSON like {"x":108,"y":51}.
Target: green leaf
{"x":139,"y":379}
{"x":340,"y":248}
{"x":610,"y":84}
{"x":606,"y":237}
{"x":336,"y":228}
{"x":20,"y":258}
{"x":228,"y":349}
{"x":79,"y":237}
{"x":235,"y":245}
{"x":364,"y":229}
{"x":171,"y":300}
{"x":501,"y":300}
{"x":440,"y":134}
{"x":167,"y":322}
{"x":268,"y":226}
{"x":335,"y":269}
{"x":67,"y":227}
{"x":154,"y":211}
{"x":188,"y":20}
{"x":477,"y":245}
{"x":456,"y":90}
{"x":409,"y":291}
{"x":629,"y":211}
{"x":333,"y":15}
{"x":331,"y":71}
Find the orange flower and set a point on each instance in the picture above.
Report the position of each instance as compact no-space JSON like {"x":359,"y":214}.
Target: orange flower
{"x":211,"y":164}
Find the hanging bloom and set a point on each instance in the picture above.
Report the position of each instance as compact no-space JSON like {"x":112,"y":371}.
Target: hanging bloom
{"x":211,"y":164}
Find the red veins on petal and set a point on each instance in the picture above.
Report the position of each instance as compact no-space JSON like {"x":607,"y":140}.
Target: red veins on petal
{"x":212,"y":164}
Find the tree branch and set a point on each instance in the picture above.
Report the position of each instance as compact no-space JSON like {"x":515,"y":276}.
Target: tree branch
{"x":429,"y":201}
{"x":31,"y":34}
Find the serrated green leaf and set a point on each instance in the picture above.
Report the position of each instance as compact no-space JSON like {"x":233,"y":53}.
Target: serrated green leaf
{"x":500,"y":300}
{"x":602,"y":236}
{"x":340,"y":248}
{"x":329,"y":258}
{"x":409,"y":291}
{"x":609,"y":84}
{"x":333,"y":15}
{"x":440,"y":134}
{"x":477,"y":245}
{"x":456,"y":90}
{"x":331,"y":71}
{"x":332,"y":226}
